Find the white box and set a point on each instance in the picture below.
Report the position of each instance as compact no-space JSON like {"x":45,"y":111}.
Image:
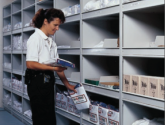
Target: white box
{"x":93,"y":113}
{"x":70,"y":104}
{"x":80,"y":98}
{"x":110,"y":43}
{"x":153,"y":87}
{"x":103,"y":116}
{"x":64,"y":101}
{"x":161,"y":88}
{"x":76,"y":111}
{"x":113,"y":117}
{"x":58,"y":100}
{"x":135,"y":84}
{"x":127,"y":83}
{"x":144,"y":85}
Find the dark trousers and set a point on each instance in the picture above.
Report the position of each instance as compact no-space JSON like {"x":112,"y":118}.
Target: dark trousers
{"x":41,"y":94}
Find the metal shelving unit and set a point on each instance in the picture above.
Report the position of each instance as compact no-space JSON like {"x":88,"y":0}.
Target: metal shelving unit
{"x":127,"y":21}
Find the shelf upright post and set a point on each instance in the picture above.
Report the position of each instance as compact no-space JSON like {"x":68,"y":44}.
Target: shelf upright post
{"x":120,"y":63}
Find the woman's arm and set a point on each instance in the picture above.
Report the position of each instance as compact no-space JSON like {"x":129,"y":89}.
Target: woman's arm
{"x":38,"y":66}
{"x":65,"y":81}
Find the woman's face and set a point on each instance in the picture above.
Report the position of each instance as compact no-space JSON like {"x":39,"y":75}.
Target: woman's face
{"x":53,"y":26}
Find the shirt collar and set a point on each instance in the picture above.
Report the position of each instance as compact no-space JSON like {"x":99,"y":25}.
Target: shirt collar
{"x":42,"y":34}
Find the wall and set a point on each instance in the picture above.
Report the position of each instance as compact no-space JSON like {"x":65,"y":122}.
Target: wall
{"x":3,"y":3}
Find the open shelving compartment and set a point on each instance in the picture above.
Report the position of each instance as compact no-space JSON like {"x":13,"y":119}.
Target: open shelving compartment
{"x":45,"y":4}
{"x":28,"y":15}
{"x":72,"y":74}
{"x":7,"y":47}
{"x":97,"y":97}
{"x":7,"y":62}
{"x":17,"y":43}
{"x":7,"y":80}
{"x":96,"y":66}
{"x":133,"y":112}
{"x":16,"y":6}
{"x":7,"y":22}
{"x":7,"y":11}
{"x":17,"y":98}
{"x":65,"y":114}
{"x":26,"y":36}
{"x":28,"y":3}
{"x":16,"y":18}
{"x":26,"y":107}
{"x":17,"y":88}
{"x":145,"y":25}
{"x":17,"y":63}
{"x":24,"y":63}
{"x":7,"y":99}
{"x":147,"y":67}
{"x":68,"y":35}
{"x":94,"y":33}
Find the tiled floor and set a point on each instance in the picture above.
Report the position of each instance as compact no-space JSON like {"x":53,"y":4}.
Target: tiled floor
{"x":7,"y":119}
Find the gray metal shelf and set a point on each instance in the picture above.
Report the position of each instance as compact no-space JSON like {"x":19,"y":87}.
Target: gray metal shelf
{"x":73,"y":18}
{"x":145,"y":101}
{"x":68,"y":115}
{"x":87,"y":122}
{"x":25,"y":29}
{"x":71,"y":51}
{"x":6,"y":33}
{"x":7,"y":88}
{"x":16,"y":31}
{"x":141,"y":5}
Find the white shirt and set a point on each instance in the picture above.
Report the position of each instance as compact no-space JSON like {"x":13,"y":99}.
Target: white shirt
{"x":40,"y":48}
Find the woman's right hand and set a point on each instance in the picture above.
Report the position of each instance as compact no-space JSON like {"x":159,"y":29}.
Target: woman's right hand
{"x":59,"y":68}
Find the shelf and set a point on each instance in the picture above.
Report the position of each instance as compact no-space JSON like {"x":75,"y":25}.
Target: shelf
{"x":16,"y":13}
{"x":68,"y":115}
{"x":45,"y":4}
{"x":101,"y":51}
{"x":101,"y":91}
{"x":87,"y":122}
{"x":6,"y":33}
{"x":59,"y":82}
{"x":17,"y":114}
{"x":26,"y":29}
{"x":72,"y":18}
{"x":101,"y":12}
{"x":145,"y":101}
{"x":16,"y":31}
{"x":146,"y":52}
{"x":141,"y":5}
{"x":7,"y":70}
{"x":28,"y":3}
{"x":28,"y":120}
{"x":9,"y":16}
{"x":6,"y":51}
{"x":26,"y":96}
{"x":17,"y":92}
{"x":69,"y":51}
{"x":7,"y":88}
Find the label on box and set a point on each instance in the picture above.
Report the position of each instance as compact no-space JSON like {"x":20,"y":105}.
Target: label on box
{"x":153,"y":87}
{"x":58,"y":103}
{"x":93,"y":117}
{"x":102,"y":120}
{"x":63,"y":105}
{"x":161,"y":89}
{"x":70,"y":108}
{"x":113,"y":117}
{"x":144,"y":86}
{"x":79,"y":99}
{"x":135,"y":84}
{"x":126,"y":83}
{"x":103,"y":116}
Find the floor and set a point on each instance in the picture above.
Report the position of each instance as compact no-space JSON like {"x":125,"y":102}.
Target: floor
{"x":7,"y":119}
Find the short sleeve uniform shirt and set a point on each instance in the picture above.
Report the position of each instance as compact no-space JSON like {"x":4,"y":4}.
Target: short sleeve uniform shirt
{"x":40,"y":48}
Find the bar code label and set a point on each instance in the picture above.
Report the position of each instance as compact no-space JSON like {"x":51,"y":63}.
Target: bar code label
{"x":58,"y":103}
{"x":63,"y":105}
{"x":111,"y":122}
{"x":102,"y":120}
{"x":79,"y":99}
{"x":93,"y":117}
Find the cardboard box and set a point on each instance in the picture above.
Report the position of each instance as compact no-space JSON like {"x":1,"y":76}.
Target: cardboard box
{"x":103,"y":116}
{"x":153,"y":86}
{"x":135,"y":84}
{"x":161,"y":88}
{"x":127,"y":83}
{"x":144,"y":85}
{"x":109,"y":80}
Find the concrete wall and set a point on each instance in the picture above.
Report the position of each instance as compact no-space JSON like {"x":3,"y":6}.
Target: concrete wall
{"x":3,"y":3}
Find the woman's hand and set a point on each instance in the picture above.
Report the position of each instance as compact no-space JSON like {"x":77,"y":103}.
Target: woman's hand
{"x":71,"y":87}
{"x":59,"y":68}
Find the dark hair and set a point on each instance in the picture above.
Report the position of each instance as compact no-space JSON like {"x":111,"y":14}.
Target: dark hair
{"x":48,"y":14}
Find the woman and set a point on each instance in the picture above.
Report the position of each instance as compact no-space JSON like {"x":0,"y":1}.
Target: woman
{"x":41,"y":48}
